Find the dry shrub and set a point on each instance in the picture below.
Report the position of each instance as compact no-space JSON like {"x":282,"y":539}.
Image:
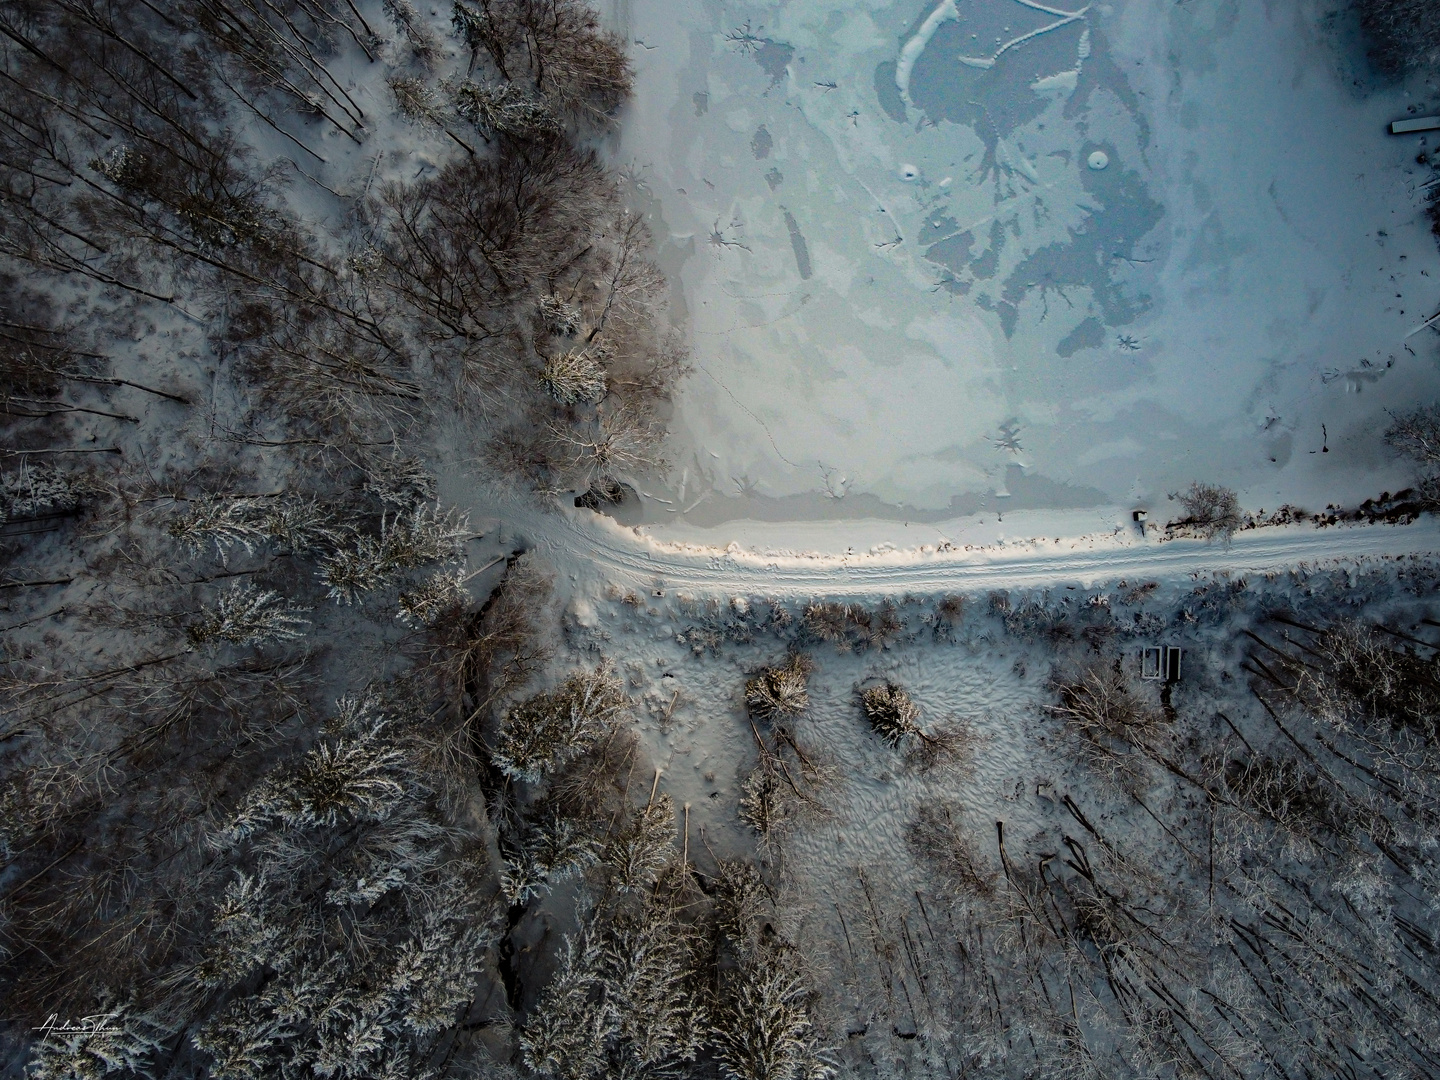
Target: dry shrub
{"x":853,"y":626}
{"x":949,"y":747}
{"x":775,"y":693}
{"x":557,"y":316}
{"x":783,"y":790}
{"x":575,"y":377}
{"x":477,"y":234}
{"x":896,"y":719}
{"x":783,"y":785}
{"x":327,"y":370}
{"x":891,"y":712}
{"x":1404,"y":34}
{"x":1365,"y":681}
{"x":1030,"y":618}
{"x":1416,"y":434}
{"x":477,"y":657}
{"x":949,"y":613}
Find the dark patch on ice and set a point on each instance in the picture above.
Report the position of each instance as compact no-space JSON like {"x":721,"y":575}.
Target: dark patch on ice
{"x":1101,"y":71}
{"x":937,"y":228}
{"x":888,"y":93}
{"x":985,"y":266}
{"x":773,"y":58}
{"x":998,"y":100}
{"x":802,"y":252}
{"x":1193,"y":47}
{"x":702,"y":102}
{"x":1090,"y":334}
{"x":1028,"y":491}
{"x":954,"y":253}
{"x":1009,"y":314}
{"x":774,"y":178}
{"x":1088,"y":257}
{"x":762,"y":143}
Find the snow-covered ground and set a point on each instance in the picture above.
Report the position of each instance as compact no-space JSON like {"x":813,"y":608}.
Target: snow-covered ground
{"x":593,"y":554}
{"x":909,"y":295}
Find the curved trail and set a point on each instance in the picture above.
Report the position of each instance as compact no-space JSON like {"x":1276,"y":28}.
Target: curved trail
{"x":580,"y":543}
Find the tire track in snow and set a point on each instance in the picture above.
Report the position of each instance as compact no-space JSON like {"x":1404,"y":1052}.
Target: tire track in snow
{"x":603,"y":550}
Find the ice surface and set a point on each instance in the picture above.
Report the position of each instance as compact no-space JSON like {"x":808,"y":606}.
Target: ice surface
{"x":907,"y":294}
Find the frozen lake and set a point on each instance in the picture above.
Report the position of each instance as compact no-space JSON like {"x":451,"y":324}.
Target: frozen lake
{"x":938,"y":260}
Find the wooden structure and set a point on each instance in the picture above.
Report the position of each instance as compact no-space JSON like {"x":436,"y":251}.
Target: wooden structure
{"x":1420,"y":123}
{"x":1161,"y":662}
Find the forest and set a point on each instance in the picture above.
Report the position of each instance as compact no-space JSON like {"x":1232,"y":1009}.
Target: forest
{"x":307,"y":769}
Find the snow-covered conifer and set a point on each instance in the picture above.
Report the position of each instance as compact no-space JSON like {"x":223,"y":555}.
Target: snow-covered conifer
{"x":414,"y":99}
{"x":402,"y":482}
{"x":355,"y":778}
{"x":542,"y":733}
{"x":763,"y":805}
{"x":357,"y":775}
{"x":505,"y":109}
{"x":407,"y":539}
{"x":652,"y":978}
{"x":763,"y":1029}
{"x":436,"y":596}
{"x":296,"y":524}
{"x":641,"y":847}
{"x":222,"y":522}
{"x":112,"y":1041}
{"x":246,"y":934}
{"x":566,"y":1033}
{"x":300,"y":526}
{"x":550,"y":849}
{"x":247,"y":615}
{"x":407,"y":20}
{"x":558,"y":317}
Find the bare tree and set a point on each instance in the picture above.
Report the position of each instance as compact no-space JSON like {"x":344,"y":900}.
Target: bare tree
{"x":1210,"y":510}
{"x":1118,"y":731}
{"x":1416,"y":434}
{"x":555,"y":47}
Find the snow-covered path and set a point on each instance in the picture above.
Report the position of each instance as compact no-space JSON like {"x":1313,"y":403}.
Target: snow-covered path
{"x":583,"y":545}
